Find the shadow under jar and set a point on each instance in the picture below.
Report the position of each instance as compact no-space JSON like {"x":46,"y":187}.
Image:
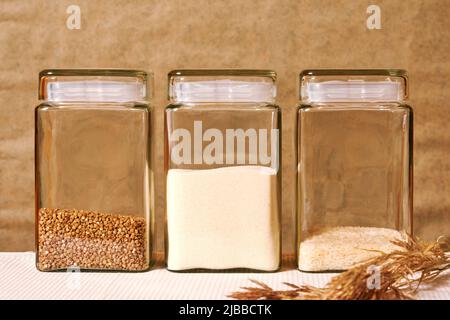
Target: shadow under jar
{"x":93,"y":177}
{"x":222,"y":166}
{"x":354,"y":166}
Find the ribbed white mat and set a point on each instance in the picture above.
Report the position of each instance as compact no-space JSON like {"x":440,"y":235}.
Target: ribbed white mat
{"x":19,"y":279}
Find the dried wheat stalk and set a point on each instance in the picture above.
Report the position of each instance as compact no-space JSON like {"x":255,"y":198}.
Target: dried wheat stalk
{"x":401,"y":274}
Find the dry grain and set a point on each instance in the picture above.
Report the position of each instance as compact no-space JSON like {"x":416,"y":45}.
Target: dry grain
{"x":341,"y":248}
{"x":90,"y":240}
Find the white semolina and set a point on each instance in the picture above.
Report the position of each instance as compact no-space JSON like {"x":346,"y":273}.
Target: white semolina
{"x":341,"y":248}
{"x":223,"y":218}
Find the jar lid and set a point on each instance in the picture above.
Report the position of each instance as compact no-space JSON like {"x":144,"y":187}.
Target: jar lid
{"x":356,"y":90}
{"x":88,"y":85}
{"x":353,"y":85}
{"x":186,"y":86}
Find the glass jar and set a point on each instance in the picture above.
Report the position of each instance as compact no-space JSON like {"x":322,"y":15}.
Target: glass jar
{"x":222,"y":162}
{"x":354,"y":166}
{"x":93,"y":173}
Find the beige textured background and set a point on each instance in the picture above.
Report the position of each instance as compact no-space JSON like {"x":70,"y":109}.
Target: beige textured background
{"x":286,"y":35}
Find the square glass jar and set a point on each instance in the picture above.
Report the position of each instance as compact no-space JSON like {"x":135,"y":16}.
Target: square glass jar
{"x":222,"y":164}
{"x":355,"y":139}
{"x":93,"y":173}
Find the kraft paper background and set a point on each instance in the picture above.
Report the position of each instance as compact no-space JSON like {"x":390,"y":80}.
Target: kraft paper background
{"x":284,"y":35}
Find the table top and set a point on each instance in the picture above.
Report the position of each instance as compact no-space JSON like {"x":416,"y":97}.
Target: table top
{"x":19,"y":279}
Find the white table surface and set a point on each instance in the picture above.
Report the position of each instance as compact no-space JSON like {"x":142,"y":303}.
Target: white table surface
{"x":19,"y":279}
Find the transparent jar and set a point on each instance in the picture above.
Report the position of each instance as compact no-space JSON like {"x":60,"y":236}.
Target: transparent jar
{"x":222,"y":164}
{"x":354,"y":166}
{"x":93,"y":173}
